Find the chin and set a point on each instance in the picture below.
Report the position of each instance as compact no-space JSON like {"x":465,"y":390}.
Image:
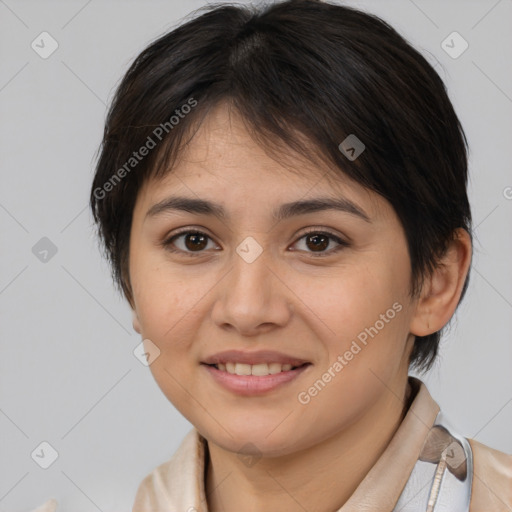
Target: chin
{"x":257,"y":441}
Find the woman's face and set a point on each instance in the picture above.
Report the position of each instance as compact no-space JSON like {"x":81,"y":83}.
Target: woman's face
{"x":336,"y":299}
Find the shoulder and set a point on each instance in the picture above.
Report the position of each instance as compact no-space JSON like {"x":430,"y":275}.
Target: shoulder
{"x":49,"y":506}
{"x":492,"y":479}
{"x":173,"y":484}
{"x":153,"y":491}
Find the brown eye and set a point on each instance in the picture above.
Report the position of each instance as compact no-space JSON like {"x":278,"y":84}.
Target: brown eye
{"x":187,"y":242}
{"x":195,"y":241}
{"x":316,"y":243}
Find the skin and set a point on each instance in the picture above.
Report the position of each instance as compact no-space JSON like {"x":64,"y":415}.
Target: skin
{"x":287,"y":300}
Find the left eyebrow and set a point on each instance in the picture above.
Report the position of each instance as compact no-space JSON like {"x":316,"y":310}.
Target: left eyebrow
{"x":204,"y":207}
{"x":341,"y":204}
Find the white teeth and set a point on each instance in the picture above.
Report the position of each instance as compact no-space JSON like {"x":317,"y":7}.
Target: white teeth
{"x":242,"y":369}
{"x":260,"y":369}
{"x":274,"y":368}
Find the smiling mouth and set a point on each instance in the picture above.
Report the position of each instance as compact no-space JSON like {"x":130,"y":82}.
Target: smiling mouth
{"x":259,"y":370}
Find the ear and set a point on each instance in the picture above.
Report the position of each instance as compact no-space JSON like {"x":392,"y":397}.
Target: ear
{"x":440,"y":293}
{"x":136,"y":322}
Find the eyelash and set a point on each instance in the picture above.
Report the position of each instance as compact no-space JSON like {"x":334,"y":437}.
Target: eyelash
{"x":167,"y":243}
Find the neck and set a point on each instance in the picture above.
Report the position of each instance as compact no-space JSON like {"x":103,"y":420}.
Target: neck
{"x":331,"y":469}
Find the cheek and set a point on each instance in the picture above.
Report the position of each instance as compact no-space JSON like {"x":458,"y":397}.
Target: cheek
{"x":353,"y":299}
{"x":168,"y":306}
{"x":162,"y":294}
{"x":366,"y":311}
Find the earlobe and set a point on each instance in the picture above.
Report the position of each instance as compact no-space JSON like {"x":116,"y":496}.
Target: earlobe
{"x":441,"y":291}
{"x":136,"y":322}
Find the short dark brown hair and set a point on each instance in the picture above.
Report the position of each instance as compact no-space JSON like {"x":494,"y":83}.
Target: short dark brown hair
{"x":294,"y":70}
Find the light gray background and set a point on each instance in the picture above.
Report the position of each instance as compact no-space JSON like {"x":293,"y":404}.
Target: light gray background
{"x":68,"y":375}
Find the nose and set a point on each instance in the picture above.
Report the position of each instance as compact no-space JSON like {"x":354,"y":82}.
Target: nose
{"x":252,"y":298}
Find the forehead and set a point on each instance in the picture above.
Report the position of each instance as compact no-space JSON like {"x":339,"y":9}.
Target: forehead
{"x":224,"y":141}
{"x":223,"y":160}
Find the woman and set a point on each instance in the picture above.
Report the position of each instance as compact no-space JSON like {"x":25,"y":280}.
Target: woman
{"x":281,"y":192}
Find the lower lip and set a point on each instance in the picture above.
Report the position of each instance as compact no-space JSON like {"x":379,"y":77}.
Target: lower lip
{"x":248,"y":385}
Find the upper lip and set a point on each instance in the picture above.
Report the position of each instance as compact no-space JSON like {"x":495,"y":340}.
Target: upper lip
{"x":261,"y":356}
